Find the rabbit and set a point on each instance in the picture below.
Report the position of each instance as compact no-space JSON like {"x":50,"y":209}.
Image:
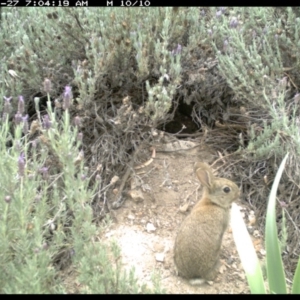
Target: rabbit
{"x":198,"y":242}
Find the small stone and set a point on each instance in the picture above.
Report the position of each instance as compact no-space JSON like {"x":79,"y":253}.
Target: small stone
{"x":114,"y":179}
{"x":250,"y":229}
{"x":183,"y":208}
{"x":256,"y":233}
{"x":251,"y":218}
{"x":150,"y":227}
{"x":160,"y":257}
{"x":136,"y":195}
{"x":222,"y":269}
{"x":133,"y":183}
{"x":230,"y":260}
{"x":131,"y":217}
{"x":262,"y":252}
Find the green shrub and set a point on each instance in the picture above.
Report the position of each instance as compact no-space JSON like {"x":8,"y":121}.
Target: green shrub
{"x":46,"y":215}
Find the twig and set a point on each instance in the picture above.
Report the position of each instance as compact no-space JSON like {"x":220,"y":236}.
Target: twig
{"x":227,"y":125}
{"x":295,"y":86}
{"x":148,"y":162}
{"x":221,"y":158}
{"x":188,"y":134}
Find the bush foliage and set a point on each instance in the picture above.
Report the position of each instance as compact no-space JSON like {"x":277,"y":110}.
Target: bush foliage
{"x":82,"y":89}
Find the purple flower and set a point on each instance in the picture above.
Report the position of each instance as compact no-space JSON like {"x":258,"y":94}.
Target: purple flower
{"x":67,"y":97}
{"x":47,"y":85}
{"x":225,"y":45}
{"x":25,"y":124}
{"x":34,"y":143}
{"x":297,"y":97}
{"x":44,"y":172}
{"x":80,"y":136}
{"x":7,"y":199}
{"x":57,"y":103}
{"x":46,"y":122}
{"x":283,"y":204}
{"x":77,"y":121}
{"x":37,"y":198}
{"x":18,"y":146}
{"x":233,"y":23}
{"x":21,"y":164}
{"x":7,"y":99}
{"x":18,"y":118}
{"x":21,"y":106}
{"x":6,"y":108}
{"x":218,"y":14}
{"x":177,"y":50}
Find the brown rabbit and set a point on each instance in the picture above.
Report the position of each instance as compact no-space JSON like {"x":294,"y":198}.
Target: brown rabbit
{"x":198,"y":242}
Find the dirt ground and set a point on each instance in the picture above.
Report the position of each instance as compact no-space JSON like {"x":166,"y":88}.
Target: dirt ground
{"x":146,"y":225}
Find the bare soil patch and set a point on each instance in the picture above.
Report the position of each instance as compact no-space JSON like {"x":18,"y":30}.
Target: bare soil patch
{"x":146,"y":229}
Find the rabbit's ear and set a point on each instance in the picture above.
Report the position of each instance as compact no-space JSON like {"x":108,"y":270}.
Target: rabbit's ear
{"x":205,"y":177}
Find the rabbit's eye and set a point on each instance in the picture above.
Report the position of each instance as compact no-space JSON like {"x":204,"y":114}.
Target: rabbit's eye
{"x":226,"y":189}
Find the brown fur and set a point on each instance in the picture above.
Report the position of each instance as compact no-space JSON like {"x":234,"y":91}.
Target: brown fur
{"x":198,"y":242}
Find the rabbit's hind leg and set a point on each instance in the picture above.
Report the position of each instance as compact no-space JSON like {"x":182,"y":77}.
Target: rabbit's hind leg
{"x":212,"y":274}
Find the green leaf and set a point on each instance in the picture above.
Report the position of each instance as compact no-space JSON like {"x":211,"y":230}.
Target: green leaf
{"x":246,"y":252}
{"x":296,"y":282}
{"x":275,"y":272}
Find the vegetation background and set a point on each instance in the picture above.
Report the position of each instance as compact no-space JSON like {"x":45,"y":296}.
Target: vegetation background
{"x":83,"y":90}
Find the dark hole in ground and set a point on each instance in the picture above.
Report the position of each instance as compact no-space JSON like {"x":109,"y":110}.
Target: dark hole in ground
{"x":182,"y":121}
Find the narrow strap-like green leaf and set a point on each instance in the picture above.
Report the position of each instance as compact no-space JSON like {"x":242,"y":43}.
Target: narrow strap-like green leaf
{"x":275,"y":271}
{"x":246,"y":252}
{"x":296,"y":282}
